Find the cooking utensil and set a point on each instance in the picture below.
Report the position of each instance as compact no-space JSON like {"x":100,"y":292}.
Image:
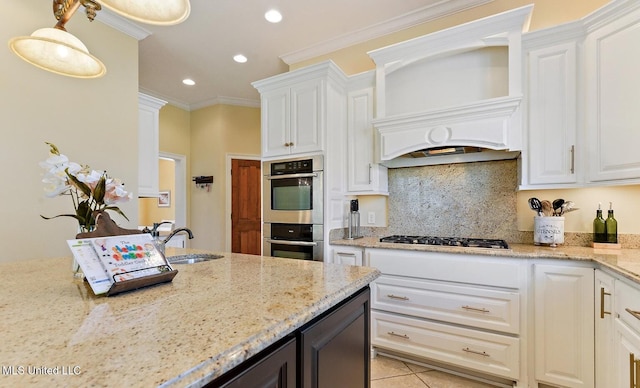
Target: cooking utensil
{"x":567,"y":207}
{"x":570,"y":210}
{"x":547,"y":208}
{"x":535,"y":205}
{"x":557,"y":204}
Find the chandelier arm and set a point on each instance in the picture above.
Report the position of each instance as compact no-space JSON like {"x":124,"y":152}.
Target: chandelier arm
{"x":69,"y":7}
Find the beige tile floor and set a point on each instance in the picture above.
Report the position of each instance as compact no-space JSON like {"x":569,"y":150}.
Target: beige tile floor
{"x":390,"y":373}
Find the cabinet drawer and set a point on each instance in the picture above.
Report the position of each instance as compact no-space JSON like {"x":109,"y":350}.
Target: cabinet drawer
{"x":484,"y":352}
{"x":451,"y":267}
{"x":627,"y":302}
{"x":465,"y":305}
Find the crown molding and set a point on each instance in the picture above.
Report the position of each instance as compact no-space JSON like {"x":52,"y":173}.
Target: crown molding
{"x":122,"y":24}
{"x":226,"y":101}
{"x":202,"y":104}
{"x":419,"y":16}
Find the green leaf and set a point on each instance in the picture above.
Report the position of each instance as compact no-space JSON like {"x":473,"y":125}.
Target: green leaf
{"x":84,"y":212}
{"x":62,"y":215}
{"x":86,"y":190}
{"x":100,"y":190}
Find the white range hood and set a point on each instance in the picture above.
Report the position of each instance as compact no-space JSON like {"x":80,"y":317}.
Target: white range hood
{"x":458,"y":87}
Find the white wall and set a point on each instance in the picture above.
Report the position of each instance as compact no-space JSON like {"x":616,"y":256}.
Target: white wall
{"x":92,"y":121}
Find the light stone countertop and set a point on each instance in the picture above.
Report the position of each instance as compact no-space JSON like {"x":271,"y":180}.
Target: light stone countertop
{"x":212,"y":317}
{"x":625,"y":262}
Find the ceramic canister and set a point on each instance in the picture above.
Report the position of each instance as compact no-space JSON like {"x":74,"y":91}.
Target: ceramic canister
{"x":548,"y":230}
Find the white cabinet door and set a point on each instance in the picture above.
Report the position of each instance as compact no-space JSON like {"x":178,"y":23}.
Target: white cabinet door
{"x":307,"y":117}
{"x":364,"y":175}
{"x":347,"y":255}
{"x":627,"y":356}
{"x":551,"y":124}
{"x":612,"y":93}
{"x":563,"y":330}
{"x":148,"y":144}
{"x":604,"y":329}
{"x":292,"y":119}
{"x":275,"y":122}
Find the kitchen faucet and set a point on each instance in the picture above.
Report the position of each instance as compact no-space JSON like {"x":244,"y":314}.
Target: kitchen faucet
{"x":160,"y":244}
{"x":176,"y":231}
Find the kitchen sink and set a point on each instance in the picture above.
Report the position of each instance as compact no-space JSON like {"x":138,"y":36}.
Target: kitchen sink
{"x":192,"y":258}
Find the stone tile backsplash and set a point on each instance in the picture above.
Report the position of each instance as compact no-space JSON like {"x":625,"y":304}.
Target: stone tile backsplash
{"x":459,"y":200}
{"x":462,"y":200}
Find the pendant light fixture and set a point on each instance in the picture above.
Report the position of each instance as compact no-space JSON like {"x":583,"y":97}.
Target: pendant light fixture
{"x":57,"y":51}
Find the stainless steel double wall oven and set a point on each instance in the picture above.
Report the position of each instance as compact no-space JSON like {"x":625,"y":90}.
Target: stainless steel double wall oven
{"x":293,"y":201}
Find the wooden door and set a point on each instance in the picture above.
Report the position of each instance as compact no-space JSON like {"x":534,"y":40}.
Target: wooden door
{"x":245,"y":206}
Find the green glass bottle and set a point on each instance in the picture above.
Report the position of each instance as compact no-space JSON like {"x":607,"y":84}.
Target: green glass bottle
{"x":611,"y":226}
{"x":599,"y":227}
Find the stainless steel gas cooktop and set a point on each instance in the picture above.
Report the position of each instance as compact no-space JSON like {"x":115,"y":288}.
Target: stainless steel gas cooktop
{"x":447,"y":241}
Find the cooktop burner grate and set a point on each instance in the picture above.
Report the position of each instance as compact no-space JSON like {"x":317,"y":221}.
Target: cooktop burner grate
{"x":447,"y":241}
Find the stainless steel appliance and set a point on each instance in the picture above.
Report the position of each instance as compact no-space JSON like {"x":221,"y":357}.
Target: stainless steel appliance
{"x":293,"y":241}
{"x":447,"y":241}
{"x":293,"y":191}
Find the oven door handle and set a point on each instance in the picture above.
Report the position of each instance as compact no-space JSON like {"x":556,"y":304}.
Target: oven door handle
{"x":305,"y":175}
{"x":298,"y":243}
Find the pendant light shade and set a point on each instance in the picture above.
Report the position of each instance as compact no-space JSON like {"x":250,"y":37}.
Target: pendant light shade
{"x":158,"y":12}
{"x":59,"y":52}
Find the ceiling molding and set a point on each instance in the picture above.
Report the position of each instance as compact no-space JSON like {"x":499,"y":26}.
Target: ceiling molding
{"x":203,"y":104}
{"x":226,"y":101}
{"x":122,"y":24}
{"x":420,"y":16}
{"x":169,"y":100}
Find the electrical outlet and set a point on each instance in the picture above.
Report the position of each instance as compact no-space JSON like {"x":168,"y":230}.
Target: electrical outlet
{"x":371,"y":217}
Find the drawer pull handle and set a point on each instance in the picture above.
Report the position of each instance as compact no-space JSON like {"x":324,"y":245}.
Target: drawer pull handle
{"x":482,"y":310}
{"x":398,"y":335}
{"x":636,"y":314}
{"x":484,"y":354}
{"x":602,"y":294}
{"x":391,"y":296}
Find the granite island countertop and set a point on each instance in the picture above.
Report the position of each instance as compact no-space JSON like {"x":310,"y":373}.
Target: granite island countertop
{"x":625,"y":262}
{"x":212,"y":317}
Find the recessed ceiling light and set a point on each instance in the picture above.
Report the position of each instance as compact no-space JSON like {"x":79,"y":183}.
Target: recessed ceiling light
{"x":188,"y":81}
{"x":240,"y":58}
{"x":273,"y":16}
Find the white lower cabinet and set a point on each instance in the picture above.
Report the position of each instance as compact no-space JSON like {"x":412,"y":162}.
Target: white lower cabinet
{"x":461,"y":311}
{"x":563,"y":325}
{"x":347,"y":255}
{"x":604,"y":321}
{"x":465,"y":347}
{"x":627,"y":335}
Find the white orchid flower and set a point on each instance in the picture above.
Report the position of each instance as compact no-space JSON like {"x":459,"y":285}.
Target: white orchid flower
{"x":63,"y":177}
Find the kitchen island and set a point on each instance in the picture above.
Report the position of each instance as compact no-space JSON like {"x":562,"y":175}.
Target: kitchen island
{"x":212,"y":317}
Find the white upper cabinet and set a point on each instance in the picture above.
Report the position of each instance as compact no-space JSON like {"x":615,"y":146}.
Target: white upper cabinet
{"x":612,"y":90}
{"x":582,"y":120}
{"x":549,"y":157}
{"x":364,"y":174}
{"x":148,"y":144}
{"x":457,"y":87}
{"x":295,"y":107}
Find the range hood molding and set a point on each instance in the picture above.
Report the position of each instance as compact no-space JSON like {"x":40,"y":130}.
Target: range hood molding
{"x":461,"y":86}
{"x":484,"y":124}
